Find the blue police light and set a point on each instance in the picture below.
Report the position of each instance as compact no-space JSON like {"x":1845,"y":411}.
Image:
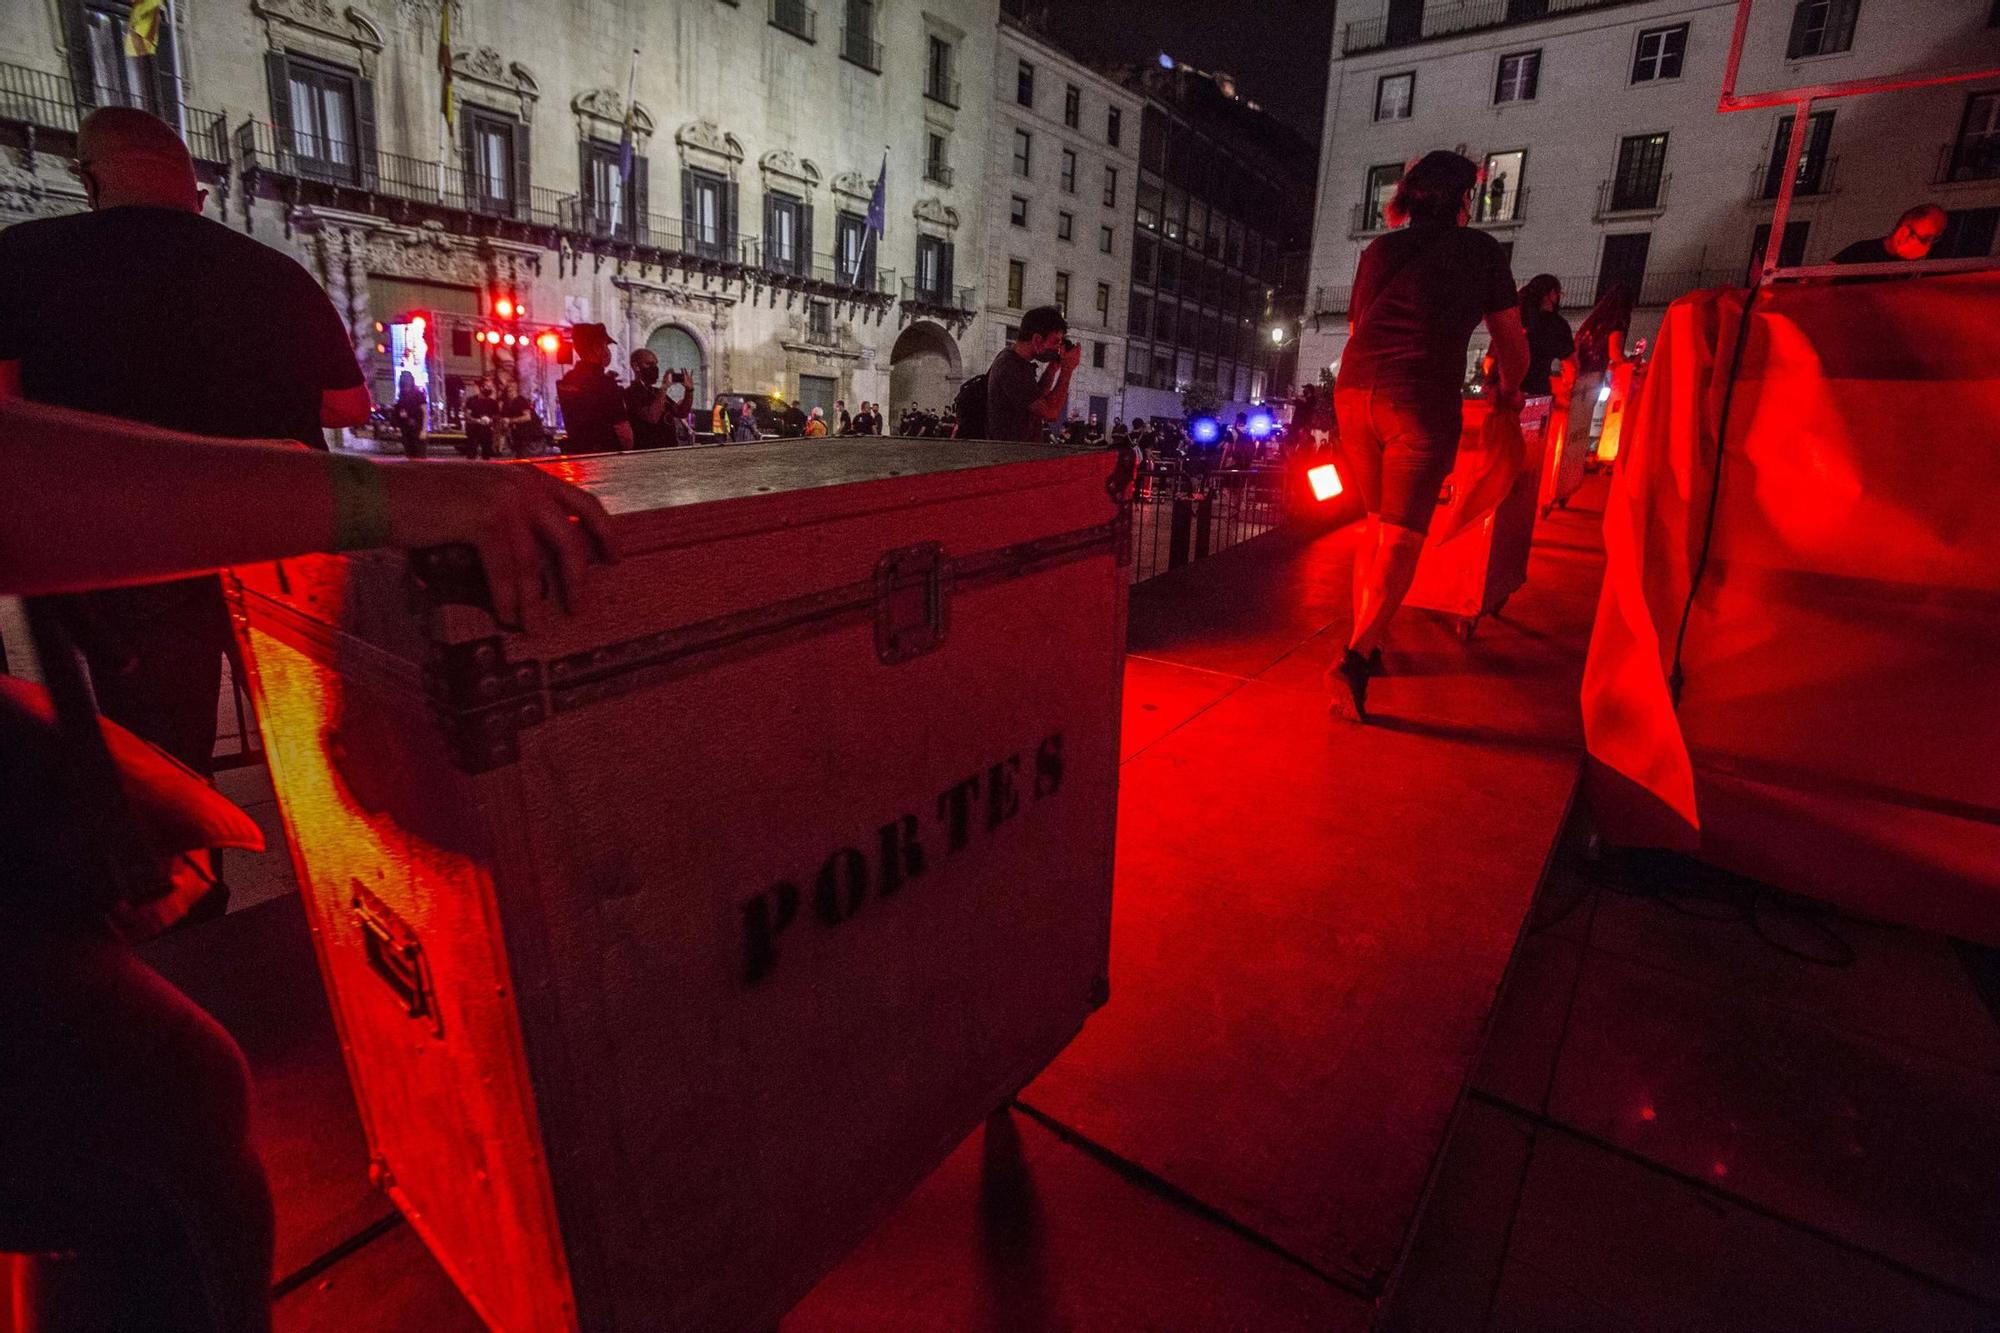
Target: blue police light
{"x":1166,"y":61}
{"x":1260,"y":425}
{"x":1206,"y":430}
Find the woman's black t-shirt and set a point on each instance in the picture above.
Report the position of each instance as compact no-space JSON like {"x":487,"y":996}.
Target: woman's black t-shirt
{"x":1418,"y":295}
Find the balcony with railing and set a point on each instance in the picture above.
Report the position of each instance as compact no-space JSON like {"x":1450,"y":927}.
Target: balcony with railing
{"x":937,"y":173}
{"x":859,"y":47}
{"x":939,"y":298}
{"x":1816,"y":179}
{"x":1433,"y":21}
{"x":941,"y":88}
{"x":338,"y":166}
{"x":1655,"y":288}
{"x":1632,"y":196}
{"x":1330,"y":301}
{"x":43,"y":110}
{"x":1973,"y":158}
{"x":1506,"y":208}
{"x":795,"y":17}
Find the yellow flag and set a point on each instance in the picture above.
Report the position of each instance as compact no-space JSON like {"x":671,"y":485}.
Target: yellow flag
{"x":142,"y":28}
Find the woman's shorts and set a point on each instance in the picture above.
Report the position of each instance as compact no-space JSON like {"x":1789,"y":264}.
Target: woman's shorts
{"x":1400,"y":447}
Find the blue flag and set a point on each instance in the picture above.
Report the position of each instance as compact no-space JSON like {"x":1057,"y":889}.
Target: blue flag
{"x":878,"y":203}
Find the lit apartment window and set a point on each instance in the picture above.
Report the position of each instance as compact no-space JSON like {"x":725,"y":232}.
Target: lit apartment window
{"x":1375,"y":202}
{"x":1024,"y":148}
{"x":1499,"y":199}
{"x":118,"y":79}
{"x":1642,"y":162}
{"x":1068,"y":171}
{"x":1017,"y":281}
{"x":1017,"y":211}
{"x":1519,"y":75}
{"x":1821,"y":28}
{"x":1660,"y":53}
{"x":1024,"y":84}
{"x":1395,"y":95}
{"x":786,"y":242}
{"x":1065,"y":226}
{"x":1072,"y":106}
{"x":1812,"y":177}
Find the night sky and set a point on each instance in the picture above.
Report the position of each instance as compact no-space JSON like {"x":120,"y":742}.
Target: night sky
{"x":1277,"y":49}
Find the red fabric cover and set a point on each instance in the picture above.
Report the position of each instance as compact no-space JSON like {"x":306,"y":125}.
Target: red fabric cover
{"x":1838,"y":733}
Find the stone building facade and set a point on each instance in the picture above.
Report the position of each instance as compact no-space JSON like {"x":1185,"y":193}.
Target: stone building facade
{"x":1059,"y":208}
{"x":1607,"y":159}
{"x":734,"y":243}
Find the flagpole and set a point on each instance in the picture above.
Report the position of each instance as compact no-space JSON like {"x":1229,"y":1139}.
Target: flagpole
{"x":180,"y":69}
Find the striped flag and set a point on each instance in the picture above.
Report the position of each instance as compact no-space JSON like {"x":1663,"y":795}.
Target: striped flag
{"x":878,"y":202}
{"x":448,"y":98}
{"x":142,"y":27}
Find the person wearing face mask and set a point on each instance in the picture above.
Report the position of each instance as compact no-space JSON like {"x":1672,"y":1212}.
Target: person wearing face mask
{"x":646,"y":404}
{"x":1027,"y":386}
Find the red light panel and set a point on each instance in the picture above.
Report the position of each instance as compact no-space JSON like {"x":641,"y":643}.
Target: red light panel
{"x":503,"y":307}
{"x":1325,"y":481}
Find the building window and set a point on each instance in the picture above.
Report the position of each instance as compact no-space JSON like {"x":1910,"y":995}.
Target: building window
{"x":934,"y":271}
{"x":819,"y":321}
{"x":1520,"y":73}
{"x":1381,"y":188}
{"x":1624,"y":262}
{"x":708,"y":207}
{"x":787,"y":233}
{"x":1062,"y":293}
{"x":940,"y":84}
{"x":1017,"y":211}
{"x":490,"y":162}
{"x":1976,"y":154}
{"x":1395,"y":95}
{"x":857,"y":36}
{"x":1065,"y":226}
{"x":1111,"y":187}
{"x":1968,"y":234}
{"x":1660,"y":53}
{"x":795,"y":17}
{"x":614,"y":202}
{"x":1024,"y":148}
{"x":320,"y":101}
{"x":1072,"y":106}
{"x":1104,"y":305}
{"x":936,"y":169}
{"x":1821,"y":28}
{"x":1499,"y":199}
{"x":1106,"y":238}
{"x":1097,"y":356}
{"x":118,"y":79}
{"x":1017,"y":282}
{"x":1024,"y":84}
{"x":856,"y":255}
{"x":1812,"y":176}
{"x":1790,"y":254}
{"x":1114,"y":120}
{"x":1642,"y":161}
{"x":1068,"y":171}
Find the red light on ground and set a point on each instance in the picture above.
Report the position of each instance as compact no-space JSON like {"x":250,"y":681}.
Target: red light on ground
{"x":548,"y":342}
{"x":1325,"y":481}
{"x":503,"y":308}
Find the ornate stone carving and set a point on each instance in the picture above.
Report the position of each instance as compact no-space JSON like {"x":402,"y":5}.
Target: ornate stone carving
{"x":483,"y":63}
{"x":936,"y":212}
{"x":348,"y":25}
{"x":422,"y":252}
{"x":705,"y":136}
{"x":606,"y":104}
{"x":854,"y":185}
{"x":649,"y":299}
{"x":784,"y":162}
{"x":24,"y":194}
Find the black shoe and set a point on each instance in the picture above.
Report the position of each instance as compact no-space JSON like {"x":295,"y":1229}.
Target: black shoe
{"x":1347,"y":687}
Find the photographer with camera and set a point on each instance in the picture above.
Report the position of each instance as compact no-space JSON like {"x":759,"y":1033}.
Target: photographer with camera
{"x":1027,"y":386}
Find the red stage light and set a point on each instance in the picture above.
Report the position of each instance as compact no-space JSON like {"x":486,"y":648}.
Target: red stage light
{"x":548,"y":342}
{"x":503,"y":307}
{"x":1325,"y":481}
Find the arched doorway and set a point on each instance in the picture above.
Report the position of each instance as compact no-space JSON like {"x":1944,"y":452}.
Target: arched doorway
{"x":678,"y":350}
{"x":924,"y":369}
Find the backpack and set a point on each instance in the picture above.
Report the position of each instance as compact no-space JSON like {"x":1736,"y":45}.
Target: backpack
{"x":970,"y":408}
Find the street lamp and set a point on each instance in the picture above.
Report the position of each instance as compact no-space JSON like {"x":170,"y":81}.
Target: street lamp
{"x":1277,"y":335}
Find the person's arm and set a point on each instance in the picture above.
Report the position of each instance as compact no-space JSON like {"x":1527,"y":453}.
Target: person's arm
{"x":1510,"y":353}
{"x":1614,"y":347}
{"x":339,"y":408}
{"x":93,"y":502}
{"x":1049,"y":407}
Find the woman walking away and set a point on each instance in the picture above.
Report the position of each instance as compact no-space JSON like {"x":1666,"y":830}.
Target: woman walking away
{"x":1600,"y":340}
{"x":1418,"y":294}
{"x":408,"y":414}
{"x":1549,"y":339}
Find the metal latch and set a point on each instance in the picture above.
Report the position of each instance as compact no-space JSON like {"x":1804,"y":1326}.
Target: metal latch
{"x":396,"y":956}
{"x":911,"y":592}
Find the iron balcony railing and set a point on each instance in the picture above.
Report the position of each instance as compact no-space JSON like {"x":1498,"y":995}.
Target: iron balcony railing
{"x":941,"y":88}
{"x":1616,"y":196}
{"x":36,"y":99}
{"x":1449,"y":20}
{"x":858,"y":47}
{"x":1331,"y":300}
{"x":1501,"y":210}
{"x":263,"y":148}
{"x":938,"y":173}
{"x":1815,"y":178}
{"x":1967,"y":160}
{"x":1656,"y":288}
{"x":934,"y":296}
{"x":795,"y":17}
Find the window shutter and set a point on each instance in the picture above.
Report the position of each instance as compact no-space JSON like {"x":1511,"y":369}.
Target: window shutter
{"x":1796,"y":46}
{"x":77,"y":34}
{"x":523,"y":194}
{"x":166,"y":80}
{"x":474,"y":188}
{"x":944,"y":272}
{"x":729,"y":243}
{"x":637,"y":199}
{"x":806,"y":238}
{"x":1840,"y":25}
{"x":771,"y":255}
{"x":690,"y":231}
{"x":586,"y":189}
{"x":277,"y":72}
{"x":364,"y":129}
